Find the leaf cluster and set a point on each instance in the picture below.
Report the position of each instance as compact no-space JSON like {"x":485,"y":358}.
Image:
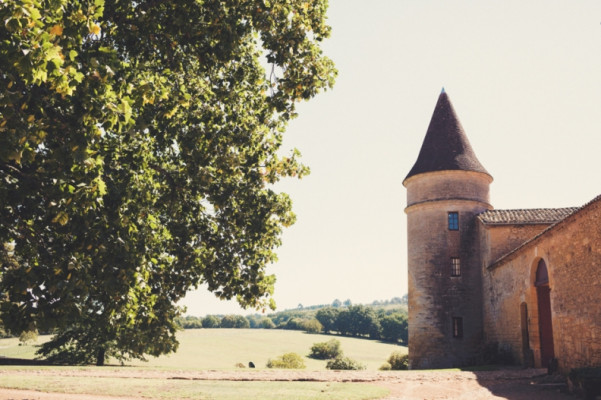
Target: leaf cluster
{"x":139,"y":142}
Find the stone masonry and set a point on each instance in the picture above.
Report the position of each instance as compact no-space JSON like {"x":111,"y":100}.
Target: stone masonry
{"x":528,"y":281}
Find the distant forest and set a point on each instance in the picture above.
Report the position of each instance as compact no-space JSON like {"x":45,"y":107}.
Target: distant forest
{"x":382,"y":320}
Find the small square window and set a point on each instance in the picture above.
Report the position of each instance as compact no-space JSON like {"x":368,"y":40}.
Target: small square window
{"x":453,"y":221}
{"x":455,"y":266}
{"x":457,"y":327}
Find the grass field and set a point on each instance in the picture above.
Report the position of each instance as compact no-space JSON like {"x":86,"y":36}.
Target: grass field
{"x":211,"y":349}
{"x":12,"y":348}
{"x":224,"y":348}
{"x":169,"y":389}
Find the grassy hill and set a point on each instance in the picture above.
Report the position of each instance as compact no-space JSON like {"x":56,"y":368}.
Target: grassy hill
{"x":224,"y":348}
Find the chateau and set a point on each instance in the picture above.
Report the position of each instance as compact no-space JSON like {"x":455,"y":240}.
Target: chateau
{"x":525,"y":282}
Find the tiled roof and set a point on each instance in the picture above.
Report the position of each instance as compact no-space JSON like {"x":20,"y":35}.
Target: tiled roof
{"x":531,"y":216}
{"x":565,"y":220}
{"x":445,"y":146}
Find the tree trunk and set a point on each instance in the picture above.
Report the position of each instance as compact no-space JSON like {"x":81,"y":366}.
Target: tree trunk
{"x":100,"y":357}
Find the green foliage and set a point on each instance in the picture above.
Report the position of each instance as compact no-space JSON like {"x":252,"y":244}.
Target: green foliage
{"x":234,"y":321}
{"x":28,"y":337}
{"x":359,"y":320}
{"x":79,"y":344}
{"x":344,"y":363}
{"x":188,"y":322}
{"x":398,"y":361}
{"x":260,"y":322}
{"x":394,"y":327}
{"x":385,"y":367}
{"x":3,"y":333}
{"x":266,"y":323}
{"x":302,"y":324}
{"x":312,"y":326}
{"x":139,"y":144}
{"x":386,"y":320}
{"x":327,"y":317}
{"x":281,"y":318}
{"x":211,"y":321}
{"x":326,"y":350}
{"x":295,"y":324}
{"x":287,"y":361}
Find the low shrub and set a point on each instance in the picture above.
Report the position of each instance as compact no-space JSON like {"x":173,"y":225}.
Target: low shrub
{"x":287,"y":361}
{"x":385,"y":367}
{"x":326,"y":350}
{"x":398,"y":361}
{"x":28,"y":337}
{"x":344,"y":363}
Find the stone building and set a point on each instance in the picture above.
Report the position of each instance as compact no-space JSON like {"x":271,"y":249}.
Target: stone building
{"x":526,"y":282}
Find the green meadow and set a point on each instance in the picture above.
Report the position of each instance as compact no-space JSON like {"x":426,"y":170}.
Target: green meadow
{"x":212,"y":349}
{"x":170,"y":389}
{"x":224,"y":348}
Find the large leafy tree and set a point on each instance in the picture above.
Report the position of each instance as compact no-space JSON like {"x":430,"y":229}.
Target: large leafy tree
{"x":139,"y":144}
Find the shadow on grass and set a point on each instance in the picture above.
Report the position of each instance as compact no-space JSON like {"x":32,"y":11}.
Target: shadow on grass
{"x":22,"y":361}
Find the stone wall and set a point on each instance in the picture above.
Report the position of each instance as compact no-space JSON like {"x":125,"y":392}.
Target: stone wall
{"x":436,"y":297}
{"x":499,"y":240}
{"x":571,"y":250}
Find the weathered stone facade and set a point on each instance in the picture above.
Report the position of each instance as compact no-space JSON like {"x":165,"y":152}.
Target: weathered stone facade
{"x":526,"y":280}
{"x":435,"y":296}
{"x":571,"y":251}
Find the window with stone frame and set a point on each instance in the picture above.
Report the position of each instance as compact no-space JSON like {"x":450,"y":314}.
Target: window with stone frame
{"x":455,"y":266}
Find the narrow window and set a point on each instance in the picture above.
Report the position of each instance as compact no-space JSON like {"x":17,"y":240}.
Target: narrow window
{"x":455,"y":266}
{"x":453,"y":221}
{"x":457,"y":327}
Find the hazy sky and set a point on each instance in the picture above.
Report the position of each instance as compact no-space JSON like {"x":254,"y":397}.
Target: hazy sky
{"x":525,"y":80}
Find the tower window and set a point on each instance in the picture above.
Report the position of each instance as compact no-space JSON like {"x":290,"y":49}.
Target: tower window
{"x":455,"y":266}
{"x":453,"y":221}
{"x":457,"y":327}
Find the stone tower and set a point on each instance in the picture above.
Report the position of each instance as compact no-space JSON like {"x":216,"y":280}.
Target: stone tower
{"x":446,"y":188}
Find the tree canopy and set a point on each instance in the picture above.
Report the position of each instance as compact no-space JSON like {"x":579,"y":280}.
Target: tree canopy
{"x":139,"y":145}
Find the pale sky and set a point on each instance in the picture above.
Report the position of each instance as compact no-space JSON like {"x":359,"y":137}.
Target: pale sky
{"x":525,"y":80}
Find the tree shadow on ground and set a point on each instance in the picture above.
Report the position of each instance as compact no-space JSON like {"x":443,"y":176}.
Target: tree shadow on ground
{"x":22,"y":361}
{"x":525,"y":384}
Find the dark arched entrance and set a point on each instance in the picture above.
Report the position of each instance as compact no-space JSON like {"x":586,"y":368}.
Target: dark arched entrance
{"x":545,"y":324}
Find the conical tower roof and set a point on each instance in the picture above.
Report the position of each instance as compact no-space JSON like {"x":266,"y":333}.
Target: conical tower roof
{"x":445,"y":146}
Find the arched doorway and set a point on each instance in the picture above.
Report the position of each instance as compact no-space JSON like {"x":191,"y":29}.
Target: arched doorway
{"x":545,"y":324}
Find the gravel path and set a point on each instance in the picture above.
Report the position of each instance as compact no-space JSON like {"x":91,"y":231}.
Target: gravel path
{"x":514,"y":384}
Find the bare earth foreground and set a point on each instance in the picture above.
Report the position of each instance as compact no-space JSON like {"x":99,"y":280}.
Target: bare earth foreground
{"x":524,"y":384}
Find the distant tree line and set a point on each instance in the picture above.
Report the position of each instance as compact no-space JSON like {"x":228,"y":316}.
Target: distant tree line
{"x":365,"y":321}
{"x":384,"y":320}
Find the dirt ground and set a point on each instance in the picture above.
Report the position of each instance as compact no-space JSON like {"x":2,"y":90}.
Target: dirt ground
{"x":522,"y":384}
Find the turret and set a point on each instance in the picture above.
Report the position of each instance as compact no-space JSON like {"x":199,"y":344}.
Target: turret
{"x":446,"y":188}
